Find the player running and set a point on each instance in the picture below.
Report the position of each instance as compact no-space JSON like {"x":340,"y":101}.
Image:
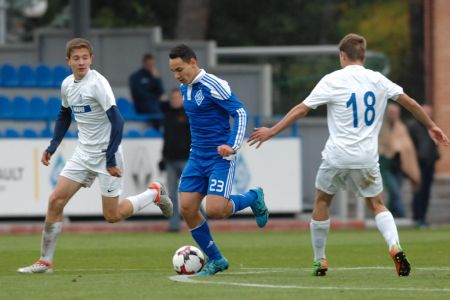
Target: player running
{"x":88,"y":95}
{"x":356,"y":99}
{"x":209,"y":103}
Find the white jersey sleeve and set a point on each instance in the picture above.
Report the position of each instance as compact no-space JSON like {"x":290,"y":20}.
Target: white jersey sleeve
{"x":392,"y":90}
{"x":320,"y":94}
{"x":64,"y":92}
{"x":103,"y":93}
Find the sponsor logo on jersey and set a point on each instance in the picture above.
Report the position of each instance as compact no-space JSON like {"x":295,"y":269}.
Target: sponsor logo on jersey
{"x":79,"y":109}
{"x":199,"y":97}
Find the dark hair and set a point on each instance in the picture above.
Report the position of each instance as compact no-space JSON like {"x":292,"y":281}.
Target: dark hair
{"x":354,"y":46}
{"x":147,"y":56}
{"x":78,"y":43}
{"x":182,"y":51}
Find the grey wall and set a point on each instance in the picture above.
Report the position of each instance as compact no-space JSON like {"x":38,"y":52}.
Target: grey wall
{"x":252,"y":84}
{"x":314,"y":134}
{"x":117,"y":52}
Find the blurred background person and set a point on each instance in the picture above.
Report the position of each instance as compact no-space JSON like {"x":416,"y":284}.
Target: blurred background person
{"x":427,"y":155}
{"x":177,"y":141}
{"x":147,"y":88}
{"x":397,"y":159}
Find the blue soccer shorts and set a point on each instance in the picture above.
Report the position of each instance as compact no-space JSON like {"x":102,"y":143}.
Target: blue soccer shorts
{"x":208,"y":174}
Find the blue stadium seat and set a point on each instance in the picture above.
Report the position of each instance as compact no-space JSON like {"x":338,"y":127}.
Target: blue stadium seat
{"x":60,"y":72}
{"x":54,"y":106}
{"x":29,"y":133}
{"x":133,"y":133}
{"x":44,"y":77}
{"x":126,"y":108}
{"x":26,"y":76}
{"x":9,"y":76}
{"x":21,"y":108}
{"x":11,"y":133}
{"x":39,"y":108}
{"x":6,"y":110}
{"x":152,"y":132}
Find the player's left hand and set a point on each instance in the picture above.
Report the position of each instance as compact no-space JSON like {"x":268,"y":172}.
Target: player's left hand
{"x":438,"y":136}
{"x":259,"y":135}
{"x":114,"y":171}
{"x":225,"y":150}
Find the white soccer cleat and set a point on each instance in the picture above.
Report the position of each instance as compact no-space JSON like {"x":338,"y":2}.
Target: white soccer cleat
{"x":162,"y":200}
{"x":38,"y":267}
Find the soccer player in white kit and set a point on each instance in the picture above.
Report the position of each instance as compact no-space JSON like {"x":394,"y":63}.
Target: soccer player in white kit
{"x":88,"y":95}
{"x":356,"y":100}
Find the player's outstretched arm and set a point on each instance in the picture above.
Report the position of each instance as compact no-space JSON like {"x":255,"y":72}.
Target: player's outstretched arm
{"x":436,"y":133}
{"x":262,"y":134}
{"x":438,"y":136}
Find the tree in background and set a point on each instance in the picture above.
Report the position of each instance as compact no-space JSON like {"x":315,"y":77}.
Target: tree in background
{"x":416,"y":84}
{"x":192,"y":21}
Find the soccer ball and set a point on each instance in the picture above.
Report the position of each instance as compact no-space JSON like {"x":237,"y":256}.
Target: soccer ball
{"x":188,"y":260}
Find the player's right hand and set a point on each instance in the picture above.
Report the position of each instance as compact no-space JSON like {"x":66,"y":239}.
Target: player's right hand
{"x":259,"y":136}
{"x":114,"y":171}
{"x":45,"y":159}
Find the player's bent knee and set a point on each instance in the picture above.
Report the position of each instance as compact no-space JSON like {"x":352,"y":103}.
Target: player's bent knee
{"x":56,"y":204}
{"x":112,"y":218}
{"x":187,"y":211}
{"x":216,"y":213}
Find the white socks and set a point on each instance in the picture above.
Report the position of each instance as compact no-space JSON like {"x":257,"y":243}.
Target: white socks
{"x":319,"y":232}
{"x":386,"y":225}
{"x":48,"y":242}
{"x":143,"y":199}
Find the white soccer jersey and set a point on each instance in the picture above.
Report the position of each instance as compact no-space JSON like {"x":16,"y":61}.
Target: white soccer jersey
{"x":89,"y":100}
{"x":356,"y":99}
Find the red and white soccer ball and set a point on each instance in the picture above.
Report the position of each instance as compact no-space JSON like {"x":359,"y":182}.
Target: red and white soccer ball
{"x":188,"y":260}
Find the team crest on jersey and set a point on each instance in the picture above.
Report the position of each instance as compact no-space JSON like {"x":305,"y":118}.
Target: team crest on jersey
{"x":199,"y":97}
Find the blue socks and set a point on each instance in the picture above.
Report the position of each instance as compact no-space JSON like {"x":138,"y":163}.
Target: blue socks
{"x":204,"y":239}
{"x":241,"y":201}
{"x":202,"y":235}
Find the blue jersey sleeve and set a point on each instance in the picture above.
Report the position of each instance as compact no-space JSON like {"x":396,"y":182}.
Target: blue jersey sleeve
{"x":115,"y":139}
{"x":238,"y":112}
{"x":62,"y":124}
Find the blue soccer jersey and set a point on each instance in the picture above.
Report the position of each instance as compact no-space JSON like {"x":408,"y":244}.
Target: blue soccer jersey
{"x":209,"y":103}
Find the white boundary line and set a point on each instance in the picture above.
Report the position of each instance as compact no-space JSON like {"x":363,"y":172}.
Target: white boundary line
{"x":192,"y":280}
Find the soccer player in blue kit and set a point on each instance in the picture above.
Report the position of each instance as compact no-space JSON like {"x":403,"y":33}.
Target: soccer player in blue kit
{"x":209,"y":103}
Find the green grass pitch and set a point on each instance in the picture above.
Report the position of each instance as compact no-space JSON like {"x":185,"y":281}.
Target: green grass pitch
{"x":263,"y":265}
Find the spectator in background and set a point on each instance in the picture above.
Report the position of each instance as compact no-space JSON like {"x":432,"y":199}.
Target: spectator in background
{"x":177,"y":143}
{"x":146,"y":88}
{"x":397,"y":159}
{"x":427,"y":155}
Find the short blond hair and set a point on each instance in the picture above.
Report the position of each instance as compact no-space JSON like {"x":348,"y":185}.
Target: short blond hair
{"x":78,"y":43}
{"x":354,"y":46}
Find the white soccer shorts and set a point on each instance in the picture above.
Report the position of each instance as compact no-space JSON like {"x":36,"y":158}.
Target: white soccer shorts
{"x":365,"y":182}
{"x":84,"y":168}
